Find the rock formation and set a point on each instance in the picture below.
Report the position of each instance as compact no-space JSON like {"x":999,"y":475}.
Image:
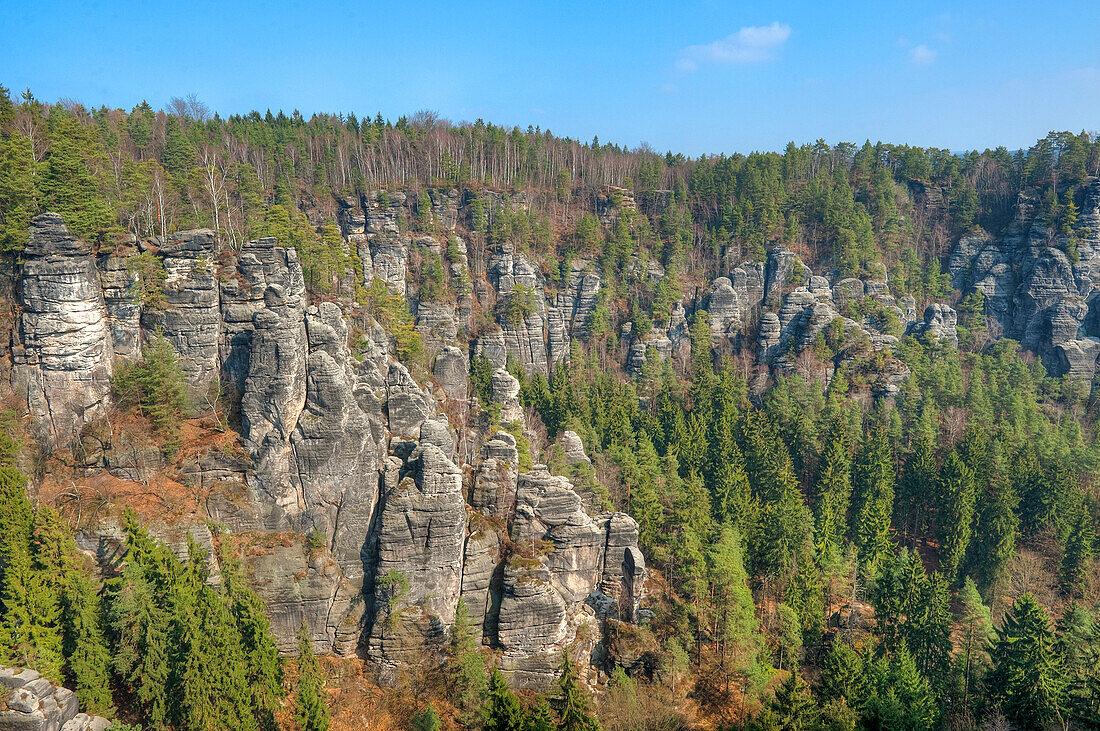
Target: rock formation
{"x":32,"y":703}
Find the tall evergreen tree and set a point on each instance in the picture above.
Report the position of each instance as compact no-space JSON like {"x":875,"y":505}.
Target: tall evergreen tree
{"x":571,"y":701}
{"x":86,"y":651}
{"x":956,"y":519}
{"x":503,"y":710}
{"x":1028,"y":677}
{"x":874,"y":501}
{"x":917,"y":489}
{"x":994,"y":544}
{"x":833,"y":491}
{"x":311,"y":711}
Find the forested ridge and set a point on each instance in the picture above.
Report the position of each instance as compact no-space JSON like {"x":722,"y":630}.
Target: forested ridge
{"x":825,"y":553}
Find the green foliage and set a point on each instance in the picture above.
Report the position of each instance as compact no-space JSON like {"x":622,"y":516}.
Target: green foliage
{"x":185,"y":652}
{"x":1028,"y":677}
{"x":310,"y":709}
{"x":466,"y":666}
{"x":150,"y":276}
{"x":571,"y":701}
{"x":392,"y":312}
{"x":519,"y":304}
{"x":155,"y":386}
{"x":89,"y":658}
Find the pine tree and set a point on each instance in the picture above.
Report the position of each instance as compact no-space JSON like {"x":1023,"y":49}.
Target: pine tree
{"x":571,"y":701}
{"x":735,"y":616}
{"x":1028,"y":676}
{"x":310,"y":711}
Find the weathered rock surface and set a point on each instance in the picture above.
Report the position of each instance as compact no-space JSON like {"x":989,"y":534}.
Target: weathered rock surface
{"x":62,"y":368}
{"x":29,"y":702}
{"x":190,"y":318}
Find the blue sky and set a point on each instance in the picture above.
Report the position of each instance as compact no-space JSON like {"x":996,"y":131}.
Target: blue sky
{"x":692,"y":77}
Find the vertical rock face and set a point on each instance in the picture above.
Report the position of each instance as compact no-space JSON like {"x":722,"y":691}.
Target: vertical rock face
{"x":243,"y":284}
{"x":400,"y":503}
{"x":191,"y":317}
{"x":336,"y":463}
{"x":63,"y":368}
{"x":568,"y":318}
{"x":123,"y":307}
{"x":273,"y":399}
{"x":1034,"y":290}
{"x":421,"y":536}
{"x":523,"y":325}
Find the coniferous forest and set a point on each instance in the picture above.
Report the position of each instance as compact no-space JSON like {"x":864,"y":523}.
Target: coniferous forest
{"x":874,"y":526}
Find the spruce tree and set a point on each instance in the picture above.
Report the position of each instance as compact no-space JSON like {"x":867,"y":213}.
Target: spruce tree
{"x":426,"y":720}
{"x":540,"y":718}
{"x":1028,"y":677}
{"x":956,"y":491}
{"x":833,"y":492}
{"x":139,"y":628}
{"x":917,"y":489}
{"x":994,"y":544}
{"x":86,"y":651}
{"x":311,"y":711}
{"x":977,"y":627}
{"x":264,"y":668}
{"x":67,"y":184}
{"x":571,"y":701}
{"x":842,"y":675}
{"x":874,"y":501}
{"x":503,"y":711}
{"x":466,"y":666}
{"x":793,"y":706}
{"x":1080,"y":546}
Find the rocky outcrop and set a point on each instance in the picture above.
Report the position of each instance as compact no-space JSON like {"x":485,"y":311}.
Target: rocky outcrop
{"x":62,"y":367}
{"x":522,"y":307}
{"x":556,"y":583}
{"x":273,"y":399}
{"x":367,"y":499}
{"x":243,"y":285}
{"x":190,"y":317}
{"x":32,"y":703}
{"x":420,"y":552}
{"x":1039,"y":288}
{"x":123,"y":305}
{"x":568,"y":317}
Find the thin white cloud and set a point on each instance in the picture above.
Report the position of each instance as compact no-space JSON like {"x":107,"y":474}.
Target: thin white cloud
{"x":922,"y":55}
{"x":751,"y":44}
